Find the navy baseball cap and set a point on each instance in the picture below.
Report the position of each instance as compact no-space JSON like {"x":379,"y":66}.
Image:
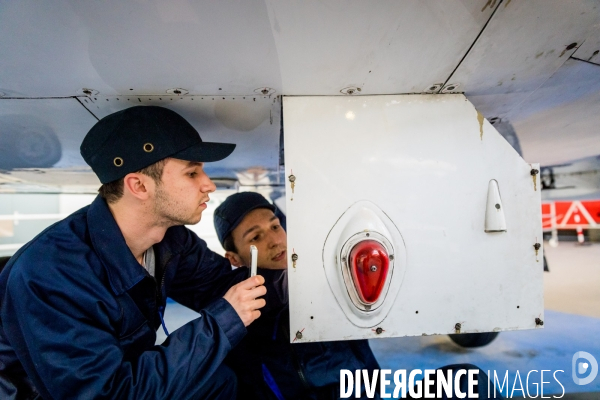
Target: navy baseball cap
{"x":232,"y":211}
{"x":132,"y":139}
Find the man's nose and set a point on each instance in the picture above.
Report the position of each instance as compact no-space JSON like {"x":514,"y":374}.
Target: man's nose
{"x":275,"y":239}
{"x":208,"y":186}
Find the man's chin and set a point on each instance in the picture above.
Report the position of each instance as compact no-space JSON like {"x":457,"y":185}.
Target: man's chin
{"x":194,"y":221}
{"x":188,"y":221}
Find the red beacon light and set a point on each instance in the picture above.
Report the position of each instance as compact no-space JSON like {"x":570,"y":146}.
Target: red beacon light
{"x":369,"y":265}
{"x":364,"y":258}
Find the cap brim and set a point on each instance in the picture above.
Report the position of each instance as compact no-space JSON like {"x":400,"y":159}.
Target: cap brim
{"x":205,"y":152}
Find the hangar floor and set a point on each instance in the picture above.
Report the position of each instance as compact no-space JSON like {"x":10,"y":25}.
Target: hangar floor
{"x":572,"y":324}
{"x":573,"y":284}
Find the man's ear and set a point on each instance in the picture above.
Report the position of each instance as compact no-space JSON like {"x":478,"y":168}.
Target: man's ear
{"x":136,"y":184}
{"x":234,"y":259}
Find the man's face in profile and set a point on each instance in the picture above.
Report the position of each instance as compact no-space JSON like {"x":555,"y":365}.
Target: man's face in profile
{"x":262,"y":229}
{"x":183,"y":193}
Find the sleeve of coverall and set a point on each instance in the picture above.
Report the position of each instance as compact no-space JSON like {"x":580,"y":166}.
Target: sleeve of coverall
{"x":69,"y":347}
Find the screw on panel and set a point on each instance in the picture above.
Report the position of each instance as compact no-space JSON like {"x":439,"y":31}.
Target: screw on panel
{"x":534,"y":173}
{"x":497,"y":206}
{"x":265,"y":91}
{"x":350,"y":90}
{"x":177,"y":91}
{"x":298,"y":335}
{"x":449,"y":88}
{"x":294,"y":259}
{"x":391,"y":257}
{"x":379,"y":331}
{"x":539,"y":322}
{"x":457,"y":327}
{"x":537,"y":247}
{"x":88,"y":92}
{"x":434,"y":88}
{"x":373,"y":268}
{"x":292,"y":179}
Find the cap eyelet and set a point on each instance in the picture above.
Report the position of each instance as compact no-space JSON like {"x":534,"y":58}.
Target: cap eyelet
{"x":148,"y":147}
{"x":118,"y":161}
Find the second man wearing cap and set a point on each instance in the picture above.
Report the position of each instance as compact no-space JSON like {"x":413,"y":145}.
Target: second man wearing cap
{"x":267,"y":365}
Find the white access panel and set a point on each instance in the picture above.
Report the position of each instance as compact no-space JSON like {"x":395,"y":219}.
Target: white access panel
{"x":420,"y":167}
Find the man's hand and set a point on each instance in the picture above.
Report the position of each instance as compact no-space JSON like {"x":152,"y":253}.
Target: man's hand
{"x":243,"y":298}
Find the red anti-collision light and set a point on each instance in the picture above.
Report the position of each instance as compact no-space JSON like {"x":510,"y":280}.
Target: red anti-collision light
{"x":369,"y":263}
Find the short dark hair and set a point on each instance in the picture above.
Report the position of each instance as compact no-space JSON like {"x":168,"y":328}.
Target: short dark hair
{"x":113,"y":191}
{"x":229,"y":245}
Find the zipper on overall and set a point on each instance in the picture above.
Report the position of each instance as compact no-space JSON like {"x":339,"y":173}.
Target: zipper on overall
{"x":159,"y":300}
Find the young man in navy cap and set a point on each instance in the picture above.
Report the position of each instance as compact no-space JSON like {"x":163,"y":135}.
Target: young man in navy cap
{"x":81,"y":302}
{"x":267,"y":365}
